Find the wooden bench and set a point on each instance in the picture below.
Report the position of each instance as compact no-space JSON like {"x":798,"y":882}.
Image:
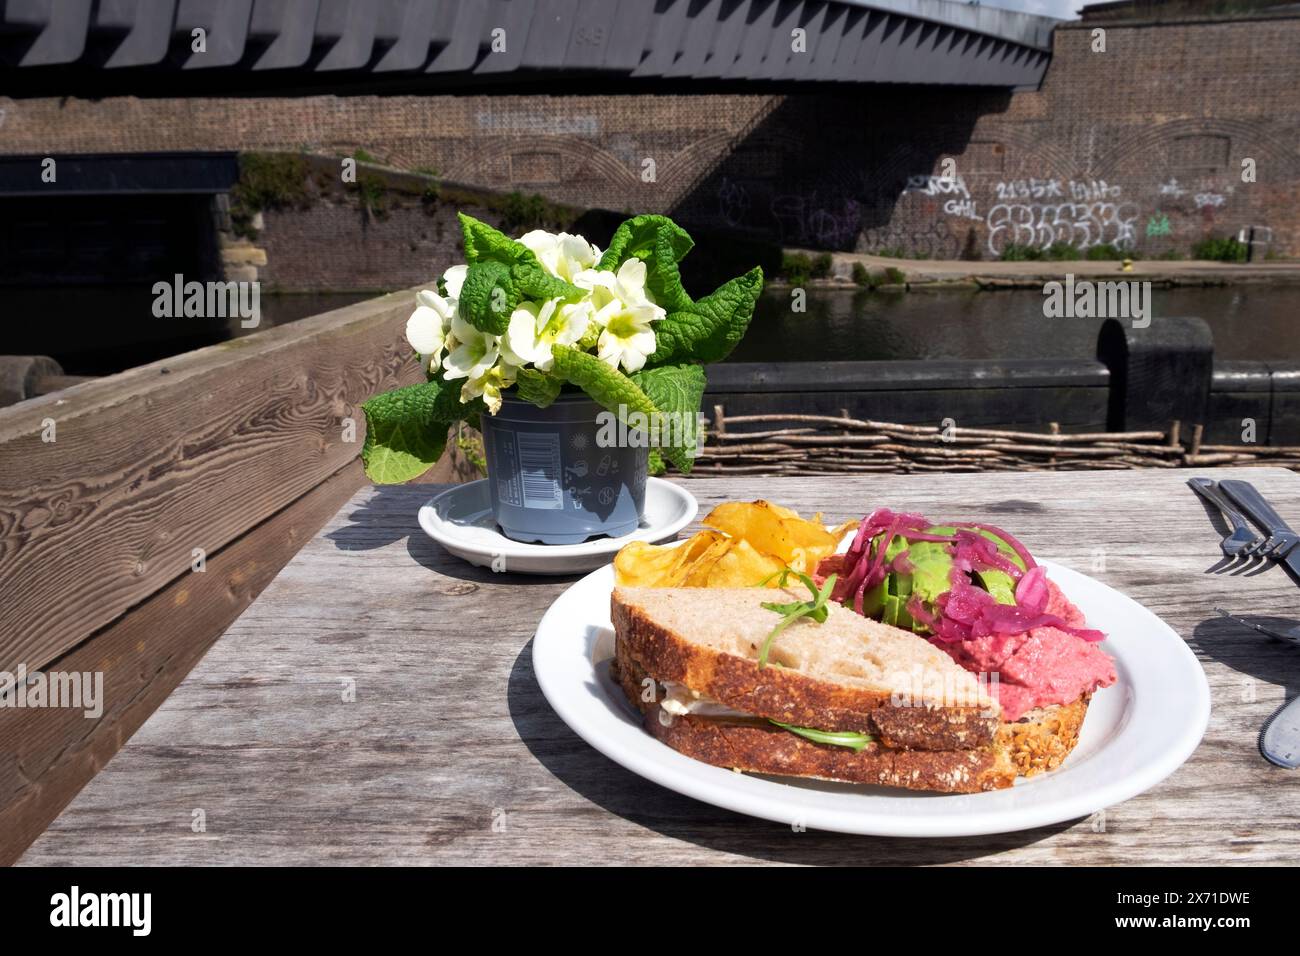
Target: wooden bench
{"x":115,"y":492}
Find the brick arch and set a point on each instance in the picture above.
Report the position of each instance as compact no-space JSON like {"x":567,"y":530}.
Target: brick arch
{"x":1138,"y":149}
{"x":1029,"y":149}
{"x":611,"y":172}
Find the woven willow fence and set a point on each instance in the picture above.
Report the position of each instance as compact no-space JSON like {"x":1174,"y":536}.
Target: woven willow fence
{"x":824,"y":444}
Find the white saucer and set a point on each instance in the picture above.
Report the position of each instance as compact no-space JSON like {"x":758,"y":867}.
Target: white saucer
{"x":460,"y":519}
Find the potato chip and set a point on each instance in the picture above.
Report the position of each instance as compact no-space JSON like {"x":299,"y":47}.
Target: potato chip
{"x":756,"y":522}
{"x":750,"y":542}
{"x":743,"y":567}
{"x":640,"y":564}
{"x":698,"y":571}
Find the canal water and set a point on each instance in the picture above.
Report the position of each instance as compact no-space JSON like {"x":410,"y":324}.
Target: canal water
{"x":96,"y":331}
{"x":1248,"y":322}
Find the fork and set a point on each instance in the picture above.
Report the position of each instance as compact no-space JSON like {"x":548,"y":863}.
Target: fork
{"x":1243,"y":542}
{"x":1281,"y":539}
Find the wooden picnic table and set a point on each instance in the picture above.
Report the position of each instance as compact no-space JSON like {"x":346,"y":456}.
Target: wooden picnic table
{"x":449,"y":753}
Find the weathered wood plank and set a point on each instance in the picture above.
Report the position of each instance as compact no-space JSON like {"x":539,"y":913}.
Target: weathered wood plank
{"x":186,"y":453}
{"x":449,"y":732}
{"x":47,"y":755}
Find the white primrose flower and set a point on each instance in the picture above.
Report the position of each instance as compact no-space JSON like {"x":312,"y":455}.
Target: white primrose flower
{"x":426,"y":329}
{"x":562,"y":255}
{"x":624,"y":312}
{"x":471,"y":353}
{"x":489,"y":385}
{"x":453,"y":279}
{"x":535,"y":330}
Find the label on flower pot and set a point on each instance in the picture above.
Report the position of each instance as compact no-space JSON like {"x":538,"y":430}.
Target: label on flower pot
{"x":531,"y":476}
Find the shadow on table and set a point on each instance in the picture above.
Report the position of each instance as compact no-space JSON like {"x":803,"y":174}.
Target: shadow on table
{"x":389,"y":515}
{"x":592,"y":775}
{"x":1249,"y":652}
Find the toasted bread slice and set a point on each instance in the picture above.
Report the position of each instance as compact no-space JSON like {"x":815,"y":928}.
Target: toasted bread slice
{"x":755,"y":745}
{"x":1044,"y":737}
{"x":848,"y":673}
{"x":1037,"y":742}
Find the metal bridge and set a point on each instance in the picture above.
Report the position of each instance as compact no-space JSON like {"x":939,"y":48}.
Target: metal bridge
{"x":152,"y":47}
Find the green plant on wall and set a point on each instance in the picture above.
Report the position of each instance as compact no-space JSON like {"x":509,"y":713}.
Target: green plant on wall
{"x":521,"y":212}
{"x":268,"y":181}
{"x":1220,"y":249}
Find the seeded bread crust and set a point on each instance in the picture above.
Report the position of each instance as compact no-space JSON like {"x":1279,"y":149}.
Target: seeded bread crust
{"x":790,"y":696}
{"x":1038,"y":742}
{"x":1044,"y":737}
{"x":756,"y":746}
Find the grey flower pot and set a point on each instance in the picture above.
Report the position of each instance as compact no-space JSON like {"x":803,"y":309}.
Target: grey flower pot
{"x":549,"y":478}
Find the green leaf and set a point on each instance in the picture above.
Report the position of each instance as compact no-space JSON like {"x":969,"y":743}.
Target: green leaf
{"x":537,"y":387}
{"x":793,"y":611}
{"x":605,"y":385}
{"x":497,"y":261}
{"x":661,"y":243}
{"x":838,"y":738}
{"x":488,"y":297}
{"x":709,"y":329}
{"x":406,"y":429}
{"x":676,"y":390}
{"x":485,"y":244}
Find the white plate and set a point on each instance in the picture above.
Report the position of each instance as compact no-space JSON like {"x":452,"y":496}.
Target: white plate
{"x":1138,"y":731}
{"x":460,"y":519}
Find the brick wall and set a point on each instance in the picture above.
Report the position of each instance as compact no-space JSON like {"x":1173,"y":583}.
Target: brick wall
{"x":1140,"y":145}
{"x":335,"y":245}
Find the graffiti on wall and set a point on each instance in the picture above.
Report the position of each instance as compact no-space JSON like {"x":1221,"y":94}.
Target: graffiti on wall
{"x":1039,"y":212}
{"x":803,"y":218}
{"x":1203,"y":198}
{"x":936,"y":241}
{"x":1158,"y":225}
{"x":1081,"y":224}
{"x":958,"y":217}
{"x":957,"y":200}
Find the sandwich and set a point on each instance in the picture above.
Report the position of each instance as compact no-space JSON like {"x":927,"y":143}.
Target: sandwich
{"x":927,"y":657}
{"x":846,"y":698}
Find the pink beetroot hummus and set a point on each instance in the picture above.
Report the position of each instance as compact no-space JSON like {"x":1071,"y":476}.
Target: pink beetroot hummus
{"x":1045,"y":665}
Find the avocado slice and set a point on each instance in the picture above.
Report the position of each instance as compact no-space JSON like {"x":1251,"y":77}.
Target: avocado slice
{"x":891,"y":610}
{"x":931,"y":569}
{"x":998,"y":583}
{"x":873,"y":600}
{"x":1002,"y":544}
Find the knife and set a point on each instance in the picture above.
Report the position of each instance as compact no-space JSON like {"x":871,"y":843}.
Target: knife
{"x":1291,"y":634}
{"x":1283,"y":540}
{"x":1279,"y":741}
